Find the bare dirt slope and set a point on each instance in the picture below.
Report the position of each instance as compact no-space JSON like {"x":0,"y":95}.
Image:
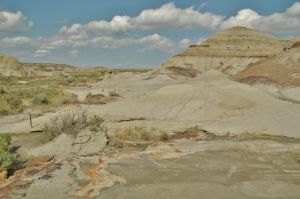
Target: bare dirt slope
{"x":283,"y":69}
{"x":229,"y":51}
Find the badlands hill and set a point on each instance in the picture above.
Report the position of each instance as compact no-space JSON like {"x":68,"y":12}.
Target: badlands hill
{"x":10,"y":66}
{"x":229,"y":51}
{"x":283,"y":69}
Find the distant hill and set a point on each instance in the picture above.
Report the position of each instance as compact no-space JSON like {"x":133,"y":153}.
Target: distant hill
{"x":229,"y":51}
{"x":10,"y":66}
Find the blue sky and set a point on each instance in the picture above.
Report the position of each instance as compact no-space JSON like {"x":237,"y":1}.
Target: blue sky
{"x":130,"y":33}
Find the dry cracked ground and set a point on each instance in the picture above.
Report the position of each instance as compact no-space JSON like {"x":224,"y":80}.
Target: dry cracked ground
{"x":165,"y":137}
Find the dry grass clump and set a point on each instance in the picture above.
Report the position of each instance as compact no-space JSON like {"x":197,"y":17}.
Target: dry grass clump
{"x":113,"y":94}
{"x":71,"y":123}
{"x":95,"y":99}
{"x":140,"y":133}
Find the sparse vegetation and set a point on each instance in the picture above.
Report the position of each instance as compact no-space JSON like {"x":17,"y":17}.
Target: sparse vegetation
{"x":15,"y":97}
{"x":95,"y":99}
{"x":46,"y":93}
{"x":140,"y":133}
{"x":10,"y":104}
{"x":72,"y":123}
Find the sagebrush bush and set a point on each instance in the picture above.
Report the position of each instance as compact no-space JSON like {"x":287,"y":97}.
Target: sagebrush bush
{"x":49,"y":132}
{"x":40,"y":98}
{"x":72,"y":123}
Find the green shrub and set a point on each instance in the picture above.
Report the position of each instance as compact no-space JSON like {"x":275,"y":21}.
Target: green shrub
{"x":6,"y":157}
{"x":2,"y":90}
{"x":49,"y":132}
{"x":5,"y":141}
{"x":14,"y":101}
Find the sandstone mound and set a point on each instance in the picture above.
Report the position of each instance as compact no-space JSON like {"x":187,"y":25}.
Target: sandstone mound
{"x":229,"y":51}
{"x":283,"y":69}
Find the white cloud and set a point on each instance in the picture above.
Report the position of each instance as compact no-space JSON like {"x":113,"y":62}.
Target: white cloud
{"x":74,"y":29}
{"x":170,"y":17}
{"x":151,"y":42}
{"x":294,"y":10}
{"x":116,"y":25}
{"x":167,"y":16}
{"x":157,"y":42}
{"x":184,"y":43}
{"x":286,"y":22}
{"x":14,"y":22}
{"x":41,"y":53}
{"x":13,"y":41}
